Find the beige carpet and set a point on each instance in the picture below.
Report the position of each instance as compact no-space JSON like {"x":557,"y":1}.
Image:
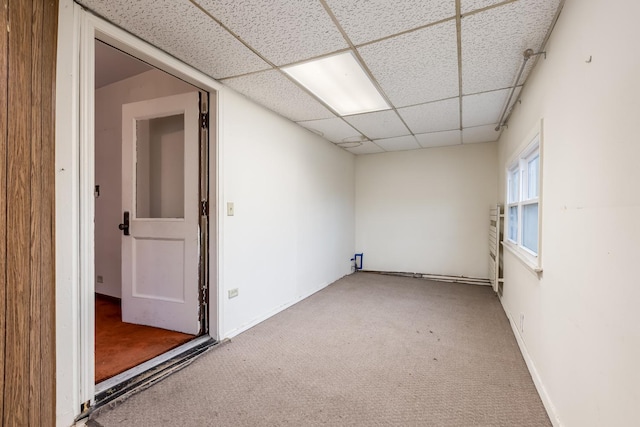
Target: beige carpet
{"x":369,"y":350}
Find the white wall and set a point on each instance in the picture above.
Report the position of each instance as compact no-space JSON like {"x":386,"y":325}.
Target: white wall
{"x":581,"y":332}
{"x":108,"y":151}
{"x":426,"y":211}
{"x":293,"y":229}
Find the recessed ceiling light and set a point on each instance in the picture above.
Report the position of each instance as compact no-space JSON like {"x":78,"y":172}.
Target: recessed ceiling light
{"x":340,"y":82}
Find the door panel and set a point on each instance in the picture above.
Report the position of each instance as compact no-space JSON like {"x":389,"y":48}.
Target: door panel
{"x":160,"y":181}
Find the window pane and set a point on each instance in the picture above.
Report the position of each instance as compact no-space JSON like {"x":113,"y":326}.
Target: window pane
{"x":513,"y":223}
{"x":514,"y":185}
{"x":160,"y":167}
{"x":530,"y":227}
{"x":533,"y":167}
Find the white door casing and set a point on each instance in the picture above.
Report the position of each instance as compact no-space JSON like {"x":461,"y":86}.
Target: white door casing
{"x":160,"y":182}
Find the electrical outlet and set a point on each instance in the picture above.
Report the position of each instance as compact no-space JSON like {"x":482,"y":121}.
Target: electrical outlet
{"x":230,"y":209}
{"x":233,"y":293}
{"x":99,"y":279}
{"x":521,"y":323}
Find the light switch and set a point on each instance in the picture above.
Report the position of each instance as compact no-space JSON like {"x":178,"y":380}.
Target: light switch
{"x":230,"y":209}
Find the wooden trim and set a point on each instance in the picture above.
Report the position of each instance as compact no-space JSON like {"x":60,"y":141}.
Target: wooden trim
{"x":36,"y":198}
{"x":4,"y":36}
{"x":27,"y":306}
{"x":47,"y":314}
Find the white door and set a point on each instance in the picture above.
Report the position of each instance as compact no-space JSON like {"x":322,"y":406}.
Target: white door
{"x":160,"y":181}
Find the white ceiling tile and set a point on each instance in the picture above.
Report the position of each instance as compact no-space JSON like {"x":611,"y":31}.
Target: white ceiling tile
{"x":485,"y":108}
{"x":365,"y":21}
{"x":439,"y":139}
{"x":283,"y":31}
{"x":335,"y":130}
{"x":480,"y":134}
{"x":276,"y":92}
{"x":184,"y":31}
{"x":416,"y":67}
{"x":399,"y":143}
{"x":381,"y":124}
{"x":467,"y":6}
{"x":493,"y":42}
{"x":367,"y":147}
{"x":432,"y":117}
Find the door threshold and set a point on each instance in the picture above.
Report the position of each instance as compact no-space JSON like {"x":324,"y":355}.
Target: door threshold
{"x":148,"y":373}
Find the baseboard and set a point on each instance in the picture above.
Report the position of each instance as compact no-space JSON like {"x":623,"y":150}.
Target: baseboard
{"x":275,"y":311}
{"x":537,"y":381}
{"x":109,"y":298}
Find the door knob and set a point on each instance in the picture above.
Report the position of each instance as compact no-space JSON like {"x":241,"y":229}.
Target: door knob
{"x":125,"y":224}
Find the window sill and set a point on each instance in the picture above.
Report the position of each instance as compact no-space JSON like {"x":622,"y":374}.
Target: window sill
{"x":529,"y":261}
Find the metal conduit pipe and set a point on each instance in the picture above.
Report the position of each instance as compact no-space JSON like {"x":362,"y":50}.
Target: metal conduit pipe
{"x":527,"y":54}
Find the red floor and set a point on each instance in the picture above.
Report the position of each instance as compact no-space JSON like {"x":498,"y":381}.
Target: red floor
{"x":121,"y":346}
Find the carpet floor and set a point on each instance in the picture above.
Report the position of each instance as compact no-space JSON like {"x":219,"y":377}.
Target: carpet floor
{"x":121,"y":346}
{"x":368,"y":350}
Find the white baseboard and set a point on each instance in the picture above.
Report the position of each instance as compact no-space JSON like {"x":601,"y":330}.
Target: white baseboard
{"x":273,"y":312}
{"x":537,"y":381}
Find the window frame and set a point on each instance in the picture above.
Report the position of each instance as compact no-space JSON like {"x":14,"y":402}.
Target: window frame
{"x":519,"y":198}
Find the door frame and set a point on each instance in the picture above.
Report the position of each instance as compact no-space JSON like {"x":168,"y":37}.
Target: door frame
{"x":75,"y":204}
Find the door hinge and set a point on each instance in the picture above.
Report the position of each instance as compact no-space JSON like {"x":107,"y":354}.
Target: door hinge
{"x":204,"y":120}
{"x":203,"y":311}
{"x":204,"y":207}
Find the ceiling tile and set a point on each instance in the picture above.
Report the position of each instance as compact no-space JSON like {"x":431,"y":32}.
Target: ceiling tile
{"x":381,"y":124}
{"x":335,"y":130}
{"x":432,"y":117}
{"x":400,"y":143}
{"x":367,"y":147}
{"x":485,"y":108}
{"x":467,"y":6}
{"x":416,"y":67}
{"x":365,"y":21}
{"x":439,"y":139}
{"x":203,"y":44}
{"x":493,"y":42}
{"x":278,"y":93}
{"x":480,"y":134}
{"x":283,"y":31}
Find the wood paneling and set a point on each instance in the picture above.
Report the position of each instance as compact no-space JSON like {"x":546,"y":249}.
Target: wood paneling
{"x":36,"y":215}
{"x":47,"y":225}
{"x":3,"y":192}
{"x":27,"y":324}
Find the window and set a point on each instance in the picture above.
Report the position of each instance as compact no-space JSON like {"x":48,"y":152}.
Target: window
{"x":523,"y":203}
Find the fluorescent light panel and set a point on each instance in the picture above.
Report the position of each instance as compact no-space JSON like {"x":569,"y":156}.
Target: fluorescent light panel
{"x":340,"y":82}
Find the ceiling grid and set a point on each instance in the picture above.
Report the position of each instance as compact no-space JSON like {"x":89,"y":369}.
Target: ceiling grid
{"x":444,"y":66}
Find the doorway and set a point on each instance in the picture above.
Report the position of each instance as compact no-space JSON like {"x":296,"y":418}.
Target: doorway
{"x":76,"y":215}
{"x":151,"y":179}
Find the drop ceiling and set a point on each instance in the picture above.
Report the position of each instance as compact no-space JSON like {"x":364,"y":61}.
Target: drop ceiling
{"x":445,"y":66}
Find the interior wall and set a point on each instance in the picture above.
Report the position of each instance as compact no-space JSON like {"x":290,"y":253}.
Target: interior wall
{"x":426,"y":211}
{"x":27,"y":282}
{"x":581,"y":335}
{"x":292,"y":232}
{"x":108,"y":153}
